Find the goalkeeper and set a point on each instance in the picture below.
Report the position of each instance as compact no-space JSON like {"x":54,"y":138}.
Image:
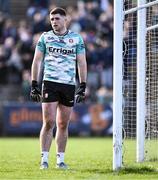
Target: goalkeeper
{"x":60,"y":49}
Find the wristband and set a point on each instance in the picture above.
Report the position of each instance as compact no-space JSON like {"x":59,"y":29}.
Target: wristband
{"x":34,"y":83}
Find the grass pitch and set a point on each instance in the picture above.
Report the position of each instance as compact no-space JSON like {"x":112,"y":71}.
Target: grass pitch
{"x":88,"y":159}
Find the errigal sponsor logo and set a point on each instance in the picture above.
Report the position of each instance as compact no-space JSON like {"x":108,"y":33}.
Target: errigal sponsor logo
{"x":61,"y":50}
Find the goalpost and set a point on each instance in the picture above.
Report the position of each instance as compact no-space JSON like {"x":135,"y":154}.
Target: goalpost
{"x":135,"y":97}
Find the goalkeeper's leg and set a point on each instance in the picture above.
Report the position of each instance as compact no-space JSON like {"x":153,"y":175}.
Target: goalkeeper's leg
{"x":46,"y":134}
{"x":62,"y":121}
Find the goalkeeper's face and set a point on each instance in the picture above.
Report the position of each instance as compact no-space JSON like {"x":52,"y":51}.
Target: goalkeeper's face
{"x":58,"y":22}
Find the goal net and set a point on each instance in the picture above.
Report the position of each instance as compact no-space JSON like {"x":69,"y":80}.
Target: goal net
{"x":130,"y":36}
{"x":135,"y":110}
{"x":129,"y":81}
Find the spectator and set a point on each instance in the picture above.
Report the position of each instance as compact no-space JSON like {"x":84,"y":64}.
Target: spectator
{"x":9,"y":29}
{"x":2,"y":22}
{"x":24,"y":33}
{"x":9,"y":43}
{"x":38,"y":24}
{"x":26,"y":81}
{"x":15,"y":66}
{"x":5,"y":6}
{"x":40,"y":6}
{"x":3,"y":66}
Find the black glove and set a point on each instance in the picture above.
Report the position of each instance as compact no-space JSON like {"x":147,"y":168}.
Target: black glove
{"x":35,"y":92}
{"x":80,"y":93}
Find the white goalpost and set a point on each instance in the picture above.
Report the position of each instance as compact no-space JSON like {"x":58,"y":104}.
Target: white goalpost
{"x":117,"y":91}
{"x":135,"y":97}
{"x":141,"y":56}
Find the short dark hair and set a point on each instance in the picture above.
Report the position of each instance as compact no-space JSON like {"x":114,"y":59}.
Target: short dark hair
{"x":58,"y":10}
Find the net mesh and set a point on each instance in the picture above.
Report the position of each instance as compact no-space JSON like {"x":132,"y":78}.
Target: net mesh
{"x":130,"y":82}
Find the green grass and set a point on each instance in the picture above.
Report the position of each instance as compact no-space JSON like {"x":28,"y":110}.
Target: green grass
{"x":88,"y":159}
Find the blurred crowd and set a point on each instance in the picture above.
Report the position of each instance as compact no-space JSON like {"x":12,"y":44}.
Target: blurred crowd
{"x":93,"y":19}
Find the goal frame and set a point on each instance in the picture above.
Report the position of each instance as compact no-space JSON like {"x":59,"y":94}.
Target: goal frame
{"x":119,"y":14}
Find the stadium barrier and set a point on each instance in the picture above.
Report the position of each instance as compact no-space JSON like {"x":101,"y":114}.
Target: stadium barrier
{"x":26,"y":119}
{"x":21,"y":118}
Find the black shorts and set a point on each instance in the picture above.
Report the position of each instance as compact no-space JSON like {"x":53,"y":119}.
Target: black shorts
{"x":58,"y":92}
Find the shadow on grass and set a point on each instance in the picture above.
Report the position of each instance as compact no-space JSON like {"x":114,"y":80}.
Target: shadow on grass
{"x":138,"y":170}
{"x":94,"y":171}
{"x":125,"y":170}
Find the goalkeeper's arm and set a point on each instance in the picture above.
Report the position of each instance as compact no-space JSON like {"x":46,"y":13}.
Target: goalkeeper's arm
{"x":82,"y":71}
{"x":35,"y":69}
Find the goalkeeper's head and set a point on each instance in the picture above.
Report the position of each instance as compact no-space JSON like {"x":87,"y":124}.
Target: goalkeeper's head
{"x":58,"y":19}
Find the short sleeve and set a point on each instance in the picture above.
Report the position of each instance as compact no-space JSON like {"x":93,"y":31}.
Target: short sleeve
{"x":41,"y":44}
{"x":80,"y":46}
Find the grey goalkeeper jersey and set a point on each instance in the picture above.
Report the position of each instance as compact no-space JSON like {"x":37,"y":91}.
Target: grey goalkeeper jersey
{"x":60,"y":55}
